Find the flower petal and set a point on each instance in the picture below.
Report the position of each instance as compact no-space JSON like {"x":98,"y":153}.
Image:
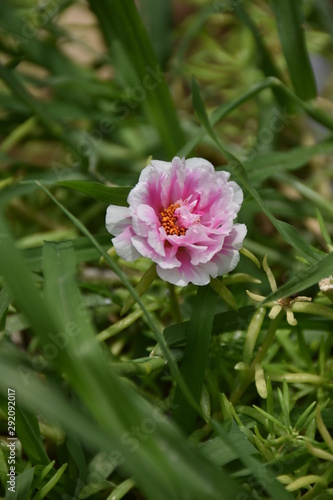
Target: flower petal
{"x":186,"y":273}
{"x":199,"y":162}
{"x":123,"y":245}
{"x":117,"y":219}
{"x":207,"y":205}
{"x":144,"y":220}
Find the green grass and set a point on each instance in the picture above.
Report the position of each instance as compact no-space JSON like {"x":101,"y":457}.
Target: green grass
{"x":125,"y":386}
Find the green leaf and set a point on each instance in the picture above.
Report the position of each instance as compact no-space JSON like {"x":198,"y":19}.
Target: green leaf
{"x":268,"y":481}
{"x":121,"y":490}
{"x":5,"y":300}
{"x":308,"y":413}
{"x":218,"y":451}
{"x":264,"y":166}
{"x":159,"y":17}
{"x":29,"y":434}
{"x":271,"y":82}
{"x":223,"y":111}
{"x":84,"y":251}
{"x":3,"y":469}
{"x":23,"y":483}
{"x":41,"y":473}
{"x":123,"y":30}
{"x":99,"y":192}
{"x":312,"y":275}
{"x":220,"y":288}
{"x":315,"y":198}
{"x":50,"y":484}
{"x":284,"y":403}
{"x":324,"y":231}
{"x":266,"y":61}
{"x":15,"y":85}
{"x":194,"y":364}
{"x":290,"y":23}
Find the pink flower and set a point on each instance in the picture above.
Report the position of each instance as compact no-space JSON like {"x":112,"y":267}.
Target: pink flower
{"x":181,"y":216}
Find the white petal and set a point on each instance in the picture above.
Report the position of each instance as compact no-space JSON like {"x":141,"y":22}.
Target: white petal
{"x":226,"y":262}
{"x":199,"y":162}
{"x":238,"y":193}
{"x":117,"y":219}
{"x":124,"y":247}
{"x":154,"y":166}
{"x":236,"y":237}
{"x":144,"y":219}
{"x":171,"y":276}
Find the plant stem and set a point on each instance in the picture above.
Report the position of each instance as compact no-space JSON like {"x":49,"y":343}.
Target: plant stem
{"x":175,"y":310}
{"x":247,"y":377}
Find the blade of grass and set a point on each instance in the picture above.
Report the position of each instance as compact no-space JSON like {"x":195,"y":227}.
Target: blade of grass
{"x":99,"y":192}
{"x":23,"y":483}
{"x":23,"y":95}
{"x":266,"y":165}
{"x":196,"y":355}
{"x":159,"y":19}
{"x":221,"y":112}
{"x":315,"y":198}
{"x":268,"y":481}
{"x":290,"y":24}
{"x":120,"y":22}
{"x":305,"y":279}
{"x":28,"y":432}
{"x":266,"y":62}
{"x":50,"y":484}
{"x":23,"y":32}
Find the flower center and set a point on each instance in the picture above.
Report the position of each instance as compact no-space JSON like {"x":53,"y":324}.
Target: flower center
{"x":169,"y":220}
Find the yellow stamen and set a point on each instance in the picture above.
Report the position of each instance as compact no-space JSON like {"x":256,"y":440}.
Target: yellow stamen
{"x":169,"y":220}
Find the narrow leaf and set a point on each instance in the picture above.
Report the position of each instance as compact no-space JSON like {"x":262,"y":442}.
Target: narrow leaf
{"x":290,"y":23}
{"x":194,"y":364}
{"x":305,"y":279}
{"x":122,"y":28}
{"x":99,"y":192}
{"x":29,"y":434}
{"x":50,"y":484}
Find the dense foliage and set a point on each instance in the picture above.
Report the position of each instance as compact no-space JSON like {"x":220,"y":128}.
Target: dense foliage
{"x":126,"y":386}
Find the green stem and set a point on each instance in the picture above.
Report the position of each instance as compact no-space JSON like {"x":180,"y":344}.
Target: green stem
{"x":124,"y":323}
{"x":247,"y":377}
{"x":175,"y":310}
{"x":132,"y":368}
{"x":122,"y":489}
{"x":313,"y":308}
{"x":146,"y":280}
{"x":18,"y":134}
{"x":327,"y":476}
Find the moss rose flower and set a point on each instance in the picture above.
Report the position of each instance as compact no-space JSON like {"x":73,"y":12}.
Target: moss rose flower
{"x":181,"y":216}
